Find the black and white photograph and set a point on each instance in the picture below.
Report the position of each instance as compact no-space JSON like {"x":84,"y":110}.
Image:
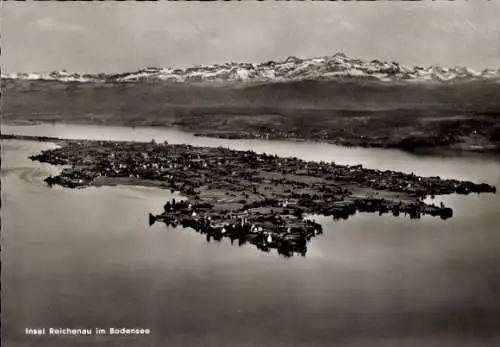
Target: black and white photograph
{"x":250,"y":173}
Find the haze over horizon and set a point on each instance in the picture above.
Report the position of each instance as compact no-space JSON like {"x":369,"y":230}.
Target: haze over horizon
{"x":116,"y":37}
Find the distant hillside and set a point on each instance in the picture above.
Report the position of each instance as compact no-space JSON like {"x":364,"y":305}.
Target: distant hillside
{"x":54,"y":100}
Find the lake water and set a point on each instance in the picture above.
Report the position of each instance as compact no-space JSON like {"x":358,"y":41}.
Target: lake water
{"x":88,"y":259}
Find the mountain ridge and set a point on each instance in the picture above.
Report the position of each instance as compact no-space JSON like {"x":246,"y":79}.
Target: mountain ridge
{"x":327,"y":68}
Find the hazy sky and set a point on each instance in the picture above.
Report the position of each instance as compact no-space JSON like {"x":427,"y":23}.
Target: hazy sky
{"x":120,"y":36}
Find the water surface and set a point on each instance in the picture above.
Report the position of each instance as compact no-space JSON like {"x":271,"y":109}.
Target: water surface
{"x":87,"y":258}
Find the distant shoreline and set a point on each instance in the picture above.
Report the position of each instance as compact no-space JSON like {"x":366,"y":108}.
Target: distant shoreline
{"x":415,"y":146}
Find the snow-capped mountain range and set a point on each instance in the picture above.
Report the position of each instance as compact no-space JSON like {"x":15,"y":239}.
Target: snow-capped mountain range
{"x":335,"y":67}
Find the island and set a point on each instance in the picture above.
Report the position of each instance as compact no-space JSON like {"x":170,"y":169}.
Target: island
{"x":261,"y":199}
